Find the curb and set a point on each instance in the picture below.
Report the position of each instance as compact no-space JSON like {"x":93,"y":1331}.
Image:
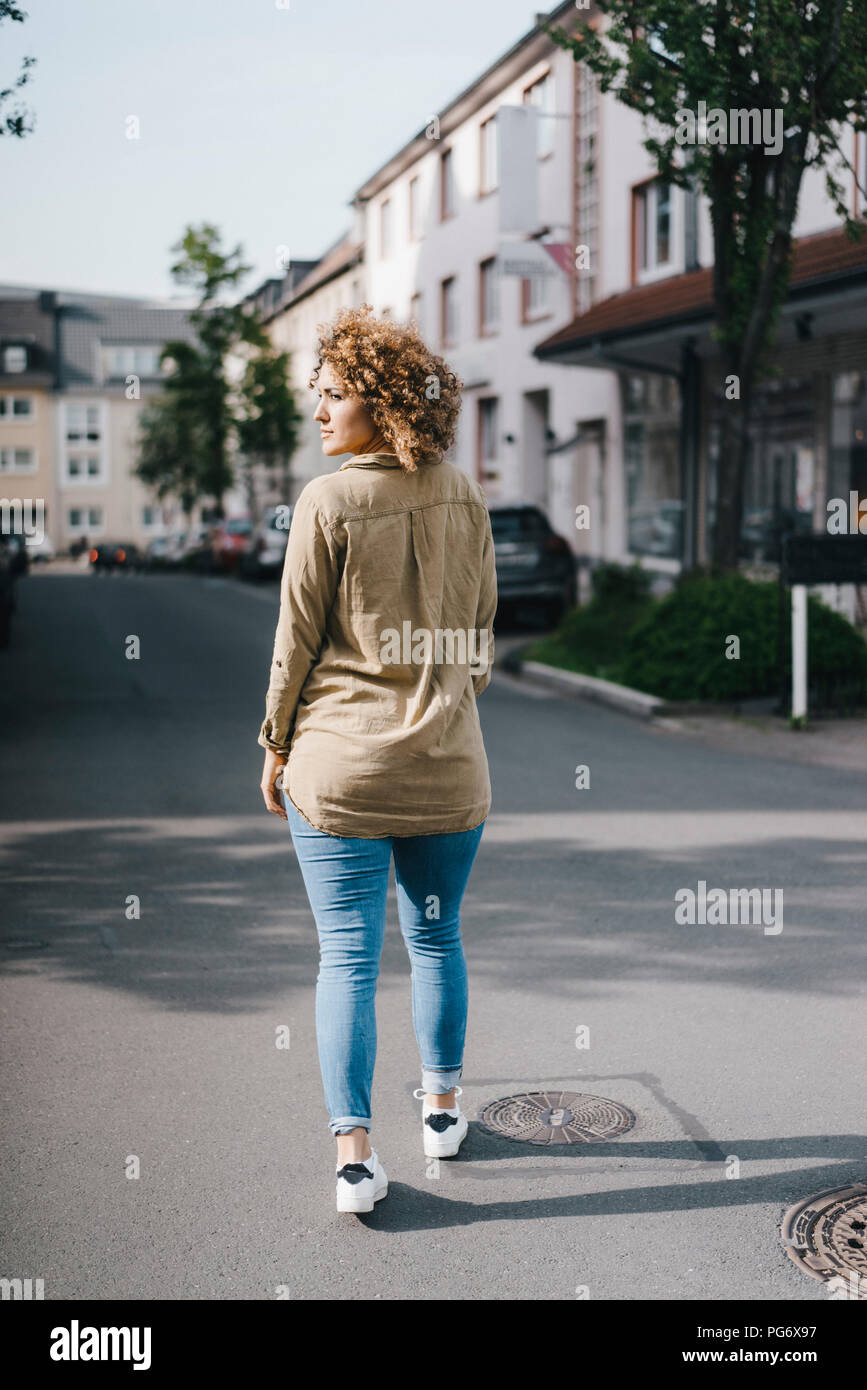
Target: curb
{"x":622,"y":697}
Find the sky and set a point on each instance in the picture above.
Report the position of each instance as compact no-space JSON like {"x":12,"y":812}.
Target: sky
{"x":261,"y":116}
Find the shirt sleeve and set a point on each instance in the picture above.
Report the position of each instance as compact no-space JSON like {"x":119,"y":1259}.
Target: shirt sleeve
{"x":487,"y":607}
{"x":311,"y":574}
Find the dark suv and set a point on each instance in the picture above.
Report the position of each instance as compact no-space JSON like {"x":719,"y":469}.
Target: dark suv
{"x":535,"y":566}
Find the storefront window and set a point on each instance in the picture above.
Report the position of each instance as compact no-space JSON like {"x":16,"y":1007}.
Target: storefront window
{"x":652,"y":463}
{"x":847,"y":470}
{"x":779,"y":481}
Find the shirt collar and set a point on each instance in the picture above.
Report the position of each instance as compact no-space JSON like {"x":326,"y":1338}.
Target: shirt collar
{"x":371,"y":461}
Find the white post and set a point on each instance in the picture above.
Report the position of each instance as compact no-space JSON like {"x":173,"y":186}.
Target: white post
{"x":799,"y":651}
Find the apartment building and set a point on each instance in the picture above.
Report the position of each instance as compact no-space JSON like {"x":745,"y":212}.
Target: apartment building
{"x":27,"y":424}
{"x":471,"y":230}
{"x":335,"y":282}
{"x":75,"y":373}
{"x":650,"y":318}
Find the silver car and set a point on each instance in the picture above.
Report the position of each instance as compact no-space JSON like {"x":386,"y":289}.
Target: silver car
{"x":265,"y":551}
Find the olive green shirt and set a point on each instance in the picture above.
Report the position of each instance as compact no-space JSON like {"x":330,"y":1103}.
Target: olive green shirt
{"x":384,"y":640}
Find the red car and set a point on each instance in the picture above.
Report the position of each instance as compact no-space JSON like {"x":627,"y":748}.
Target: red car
{"x":228,"y":540}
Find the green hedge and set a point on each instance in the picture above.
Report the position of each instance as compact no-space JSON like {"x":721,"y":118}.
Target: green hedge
{"x":675,"y":647}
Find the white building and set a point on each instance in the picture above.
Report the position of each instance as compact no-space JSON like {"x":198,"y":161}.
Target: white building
{"x":432,"y":231}
{"x":335,"y":282}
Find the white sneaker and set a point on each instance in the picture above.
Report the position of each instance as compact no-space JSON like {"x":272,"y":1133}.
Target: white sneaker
{"x":443,"y":1131}
{"x":359,"y":1185}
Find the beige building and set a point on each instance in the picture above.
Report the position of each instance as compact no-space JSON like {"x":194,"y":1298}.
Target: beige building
{"x":335,"y":282}
{"x":75,"y":373}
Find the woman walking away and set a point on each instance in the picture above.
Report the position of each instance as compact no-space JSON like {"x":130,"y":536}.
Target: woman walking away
{"x":384,"y":641}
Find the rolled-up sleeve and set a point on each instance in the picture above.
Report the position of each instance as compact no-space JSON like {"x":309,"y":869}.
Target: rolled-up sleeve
{"x":311,"y":575}
{"x":487,"y":606}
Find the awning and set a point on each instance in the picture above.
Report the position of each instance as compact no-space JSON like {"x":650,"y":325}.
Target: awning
{"x":644,"y":328}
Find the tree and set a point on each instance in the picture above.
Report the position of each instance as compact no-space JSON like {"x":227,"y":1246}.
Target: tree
{"x":269,"y":423}
{"x":189,"y":434}
{"x":802,"y":63}
{"x":199,"y":381}
{"x":171,"y":449}
{"x":19,"y":121}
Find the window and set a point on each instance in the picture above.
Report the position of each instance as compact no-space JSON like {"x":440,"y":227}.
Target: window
{"x":449,"y":311}
{"x":651,"y":220}
{"x":651,"y":462}
{"x":414,"y":226}
{"x":415,"y":311}
{"x":15,"y":359}
{"x":82,"y":422}
{"x":84,"y":468}
{"x":16,"y":408}
{"x":17,"y":461}
{"x":83,"y":519}
{"x":447,"y":184}
{"x":535,"y":302}
{"x":488,"y":433}
{"x":385,"y":228}
{"x":489,"y":297}
{"x":541,"y":95}
{"x":488,"y":171}
{"x":140,"y":360}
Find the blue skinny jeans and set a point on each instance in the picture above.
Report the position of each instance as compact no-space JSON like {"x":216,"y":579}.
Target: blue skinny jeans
{"x":346,"y":879}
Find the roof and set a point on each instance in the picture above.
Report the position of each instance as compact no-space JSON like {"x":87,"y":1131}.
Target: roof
{"x":342,"y":256}
{"x":24,"y":320}
{"x":530,"y":47}
{"x":680,"y":299}
{"x":86,"y":321}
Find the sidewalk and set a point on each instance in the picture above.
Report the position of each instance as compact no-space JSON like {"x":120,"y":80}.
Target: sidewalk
{"x":826,"y":742}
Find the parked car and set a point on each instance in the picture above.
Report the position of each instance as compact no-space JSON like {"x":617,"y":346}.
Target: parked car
{"x":265,"y":550}
{"x":193,"y":550}
{"x":228,"y":540}
{"x":155,"y":556}
{"x":535,"y":565}
{"x":112,"y":555}
{"x":7,"y":587}
{"x":39,"y":552}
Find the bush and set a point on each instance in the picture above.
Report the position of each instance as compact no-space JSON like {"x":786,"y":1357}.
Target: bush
{"x":678,"y":650}
{"x":614,"y":585}
{"x":592,"y":639}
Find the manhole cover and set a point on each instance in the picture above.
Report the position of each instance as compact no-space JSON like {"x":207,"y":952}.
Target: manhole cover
{"x":556,"y":1117}
{"x":826,"y":1236}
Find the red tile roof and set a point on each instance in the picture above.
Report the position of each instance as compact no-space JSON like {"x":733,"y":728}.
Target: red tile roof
{"x":681,"y":297}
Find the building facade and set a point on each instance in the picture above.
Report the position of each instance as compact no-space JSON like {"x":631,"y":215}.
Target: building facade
{"x":75,"y":373}
{"x":449,"y":224}
{"x":649,"y":316}
{"x":335,"y":282}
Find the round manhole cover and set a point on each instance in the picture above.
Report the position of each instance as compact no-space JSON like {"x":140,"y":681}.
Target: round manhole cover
{"x":556,"y":1117}
{"x":826,"y":1236}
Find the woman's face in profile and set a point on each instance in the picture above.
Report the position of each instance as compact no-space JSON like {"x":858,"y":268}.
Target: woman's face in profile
{"x":345,"y":424}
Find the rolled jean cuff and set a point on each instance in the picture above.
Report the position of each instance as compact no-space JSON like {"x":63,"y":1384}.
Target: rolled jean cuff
{"x":437,"y":1081}
{"x":346,"y":1123}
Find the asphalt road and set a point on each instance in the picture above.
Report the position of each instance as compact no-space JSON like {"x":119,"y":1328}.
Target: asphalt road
{"x":155,"y":1039}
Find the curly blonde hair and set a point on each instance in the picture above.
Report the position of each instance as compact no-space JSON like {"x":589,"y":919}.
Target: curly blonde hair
{"x":412,"y":395}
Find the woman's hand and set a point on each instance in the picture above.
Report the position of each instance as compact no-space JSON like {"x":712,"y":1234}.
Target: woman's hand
{"x":274,"y":764}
